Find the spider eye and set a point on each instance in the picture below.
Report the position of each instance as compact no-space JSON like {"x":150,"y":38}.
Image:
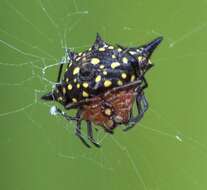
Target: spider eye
{"x":87,"y":72}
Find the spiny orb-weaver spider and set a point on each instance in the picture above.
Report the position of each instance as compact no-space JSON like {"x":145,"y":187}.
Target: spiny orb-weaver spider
{"x":102,"y":83}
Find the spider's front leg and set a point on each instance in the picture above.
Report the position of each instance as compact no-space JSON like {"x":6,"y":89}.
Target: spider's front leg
{"x":54,"y":110}
{"x":142,"y":106}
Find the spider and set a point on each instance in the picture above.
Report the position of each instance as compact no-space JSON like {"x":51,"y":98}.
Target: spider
{"x":102,"y":83}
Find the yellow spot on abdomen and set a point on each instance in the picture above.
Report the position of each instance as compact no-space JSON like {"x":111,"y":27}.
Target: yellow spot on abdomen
{"x":125,"y":60}
{"x":85,"y":85}
{"x":107,"y":83}
{"x":101,"y":49}
{"x":132,"y":78}
{"x":98,"y":78}
{"x":104,"y":72}
{"x":115,"y":64}
{"x":78,"y":85}
{"x":95,"y":61}
{"x":101,"y":66}
{"x":76,"y":70}
{"x":64,"y":91}
{"x":85,"y":94}
{"x":140,"y":58}
{"x":74,"y":99}
{"x":123,"y":75}
{"x":70,"y":87}
{"x":119,"y":82}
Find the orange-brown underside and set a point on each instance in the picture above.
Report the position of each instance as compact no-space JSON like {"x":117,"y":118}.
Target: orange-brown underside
{"x":119,"y":102}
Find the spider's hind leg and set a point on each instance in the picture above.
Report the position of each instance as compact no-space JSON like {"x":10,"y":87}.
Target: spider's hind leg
{"x":142,"y":106}
{"x":78,"y":130}
{"x":90,"y":134}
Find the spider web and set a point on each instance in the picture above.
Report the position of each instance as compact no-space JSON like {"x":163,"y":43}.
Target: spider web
{"x":151,"y":156}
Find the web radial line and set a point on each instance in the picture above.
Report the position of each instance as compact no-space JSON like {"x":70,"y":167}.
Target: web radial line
{"x":65,"y":33}
{"x":124,"y":149}
{"x":48,"y":15}
{"x":19,"y":50}
{"x":17,"y":110}
{"x":29,"y":45}
{"x":19,"y":13}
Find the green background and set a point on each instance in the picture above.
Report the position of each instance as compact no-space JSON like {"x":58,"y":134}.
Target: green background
{"x":166,"y":151}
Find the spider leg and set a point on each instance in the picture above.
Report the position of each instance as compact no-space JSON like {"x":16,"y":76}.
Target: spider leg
{"x":78,"y":130}
{"x":60,"y":72}
{"x":78,"y":127}
{"x":110,"y":131}
{"x":66,"y":116}
{"x":142,"y":106}
{"x":90,"y":134}
{"x":145,"y":84}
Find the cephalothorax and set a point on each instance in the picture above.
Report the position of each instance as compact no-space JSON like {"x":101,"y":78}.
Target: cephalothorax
{"x":102,"y":83}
